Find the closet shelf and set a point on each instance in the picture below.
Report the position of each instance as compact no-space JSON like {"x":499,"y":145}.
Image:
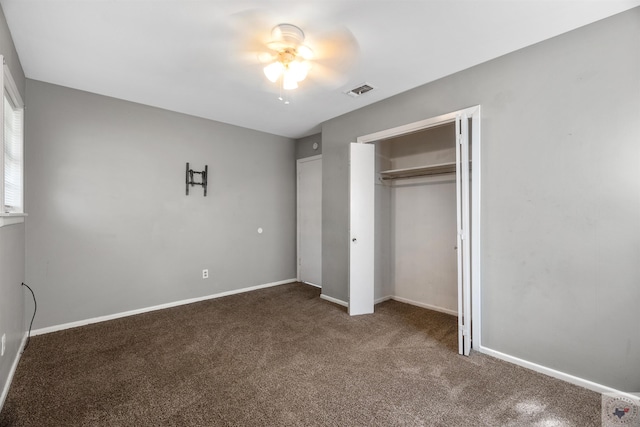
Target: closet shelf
{"x":439,"y":169}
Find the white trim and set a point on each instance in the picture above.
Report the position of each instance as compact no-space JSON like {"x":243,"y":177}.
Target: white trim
{"x":311,"y":284}
{"x":427,"y":306}
{"x":599,"y":388}
{"x":309,"y":159}
{"x":99,"y":319}
{"x":411,"y":127}
{"x":12,"y":371}
{"x":334,"y":300}
{"x":11,"y":218}
{"x":383,"y":299}
{"x":12,"y":88}
{"x":476,"y":265}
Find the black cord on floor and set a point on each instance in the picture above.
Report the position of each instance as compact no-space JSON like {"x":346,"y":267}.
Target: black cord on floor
{"x":35,"y":308}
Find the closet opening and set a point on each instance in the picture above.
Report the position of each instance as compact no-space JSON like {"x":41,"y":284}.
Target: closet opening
{"x":416,"y":218}
{"x":424,"y":200}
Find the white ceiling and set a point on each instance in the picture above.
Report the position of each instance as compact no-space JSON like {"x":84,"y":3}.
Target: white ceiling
{"x":190,"y":57}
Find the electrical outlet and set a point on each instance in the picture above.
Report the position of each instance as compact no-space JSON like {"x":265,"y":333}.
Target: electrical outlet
{"x":205,"y":274}
{"x":4,"y":342}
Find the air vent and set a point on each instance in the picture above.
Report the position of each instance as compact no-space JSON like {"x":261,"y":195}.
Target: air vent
{"x":360,"y":90}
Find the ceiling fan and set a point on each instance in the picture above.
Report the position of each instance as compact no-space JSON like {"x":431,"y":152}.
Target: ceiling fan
{"x":288,"y":55}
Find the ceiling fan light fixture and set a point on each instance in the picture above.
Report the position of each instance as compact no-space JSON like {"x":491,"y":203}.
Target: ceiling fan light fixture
{"x":290,"y":57}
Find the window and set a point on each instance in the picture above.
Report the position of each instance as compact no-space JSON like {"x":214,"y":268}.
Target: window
{"x":12,"y":189}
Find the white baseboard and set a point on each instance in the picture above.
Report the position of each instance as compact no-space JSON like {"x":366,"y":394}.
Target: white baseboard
{"x":423,"y":305}
{"x":70,"y":325}
{"x":395,"y":298}
{"x":309,"y":283}
{"x":599,"y":388}
{"x":7,"y":385}
{"x":383,"y":299}
{"x":334,"y":300}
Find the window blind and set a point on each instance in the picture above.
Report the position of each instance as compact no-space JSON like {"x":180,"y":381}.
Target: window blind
{"x":13,"y":155}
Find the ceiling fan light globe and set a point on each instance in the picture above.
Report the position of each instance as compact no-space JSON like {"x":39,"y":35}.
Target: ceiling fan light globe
{"x":298,"y":70}
{"x":273,"y":71}
{"x":288,"y":82}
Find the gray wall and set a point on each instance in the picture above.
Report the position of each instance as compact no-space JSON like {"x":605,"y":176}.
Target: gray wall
{"x":561,"y":196}
{"x":304,"y":146}
{"x":12,"y":308}
{"x":110,"y":228}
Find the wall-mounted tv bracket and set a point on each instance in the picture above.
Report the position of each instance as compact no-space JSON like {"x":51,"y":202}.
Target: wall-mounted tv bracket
{"x":203,"y":181}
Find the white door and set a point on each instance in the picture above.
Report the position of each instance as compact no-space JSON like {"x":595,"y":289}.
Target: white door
{"x":464,"y":235}
{"x":310,"y":220}
{"x":361,"y":228}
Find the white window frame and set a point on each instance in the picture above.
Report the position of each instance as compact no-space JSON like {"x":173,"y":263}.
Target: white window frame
{"x":11,"y":91}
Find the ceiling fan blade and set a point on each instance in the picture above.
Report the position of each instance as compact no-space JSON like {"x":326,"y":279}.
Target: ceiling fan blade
{"x":335,"y":54}
{"x":327,"y":76}
{"x":339,"y":45}
{"x":252,"y":21}
{"x":251,"y":31}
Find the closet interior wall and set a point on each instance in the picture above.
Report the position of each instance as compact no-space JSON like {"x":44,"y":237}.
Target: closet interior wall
{"x":416,"y":221}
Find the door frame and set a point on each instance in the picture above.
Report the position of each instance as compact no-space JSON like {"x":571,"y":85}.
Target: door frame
{"x":476,"y":277}
{"x":298,"y":162}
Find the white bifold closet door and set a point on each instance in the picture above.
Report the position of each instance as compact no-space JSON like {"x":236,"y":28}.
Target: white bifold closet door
{"x":361,"y":228}
{"x":464,"y":235}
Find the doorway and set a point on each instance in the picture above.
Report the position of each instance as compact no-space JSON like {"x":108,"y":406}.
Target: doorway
{"x":466,"y":238}
{"x":416,"y":247}
{"x":309,"y":220}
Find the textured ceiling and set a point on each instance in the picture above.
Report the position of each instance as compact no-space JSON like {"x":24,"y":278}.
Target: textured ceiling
{"x":192,"y":56}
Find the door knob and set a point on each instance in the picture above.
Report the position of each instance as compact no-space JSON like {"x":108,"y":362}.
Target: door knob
{"x":354,"y":240}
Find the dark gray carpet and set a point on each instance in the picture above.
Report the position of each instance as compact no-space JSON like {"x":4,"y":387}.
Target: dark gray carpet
{"x":280,"y":357}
